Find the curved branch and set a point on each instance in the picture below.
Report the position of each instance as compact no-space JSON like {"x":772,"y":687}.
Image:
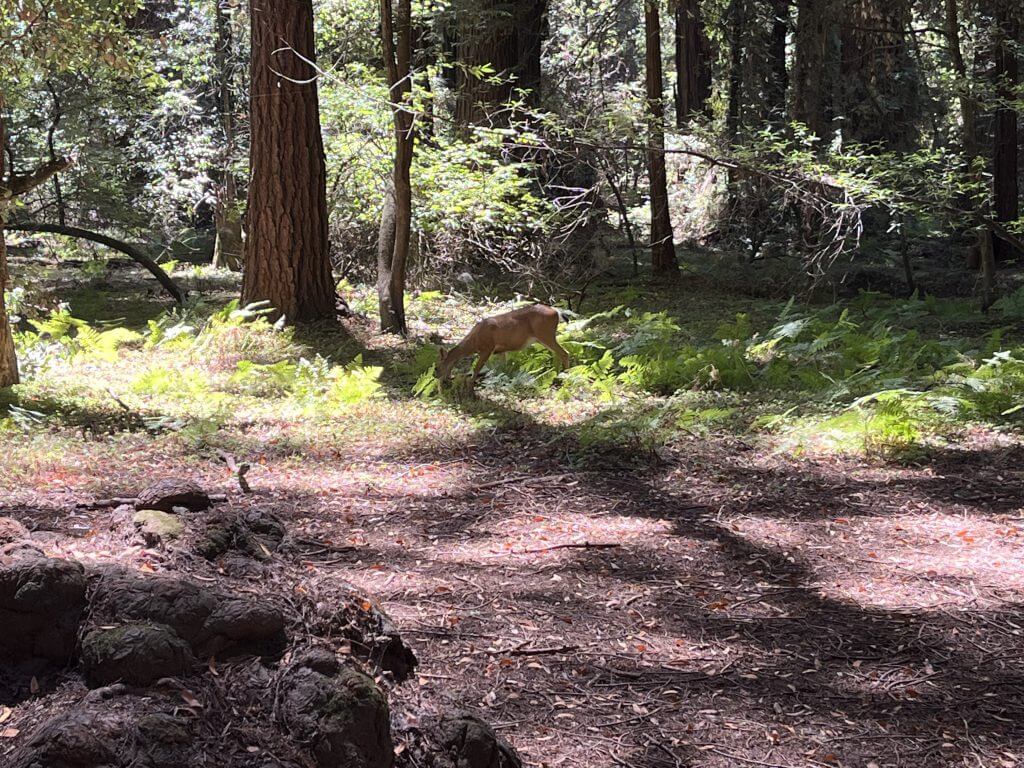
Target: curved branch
{"x":118,"y":245}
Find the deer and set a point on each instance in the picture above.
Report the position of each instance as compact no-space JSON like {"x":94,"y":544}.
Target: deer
{"x":508,"y":332}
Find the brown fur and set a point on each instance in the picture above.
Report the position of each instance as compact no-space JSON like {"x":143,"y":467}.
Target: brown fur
{"x":508,"y":332}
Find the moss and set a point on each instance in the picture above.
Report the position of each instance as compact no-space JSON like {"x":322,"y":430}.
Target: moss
{"x":158,"y":526}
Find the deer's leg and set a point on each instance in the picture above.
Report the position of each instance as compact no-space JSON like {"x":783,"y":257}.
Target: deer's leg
{"x":558,"y":350}
{"x":481,"y":358}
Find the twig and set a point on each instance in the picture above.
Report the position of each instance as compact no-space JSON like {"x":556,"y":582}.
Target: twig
{"x":240,"y":470}
{"x":526,"y":479}
{"x":584,"y":545}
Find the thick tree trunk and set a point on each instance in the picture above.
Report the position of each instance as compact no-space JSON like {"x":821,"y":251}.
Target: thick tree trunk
{"x":663,"y":252}
{"x":228,"y":249}
{"x":737,"y":13}
{"x":1005,"y":148}
{"x":287,"y":260}
{"x":507,"y":37}
{"x":693,"y":70}
{"x":810,"y":80}
{"x":396,"y":219}
{"x":777,"y":60}
{"x":879,"y":81}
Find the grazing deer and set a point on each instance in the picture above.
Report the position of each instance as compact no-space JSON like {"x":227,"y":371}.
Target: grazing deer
{"x":509,"y":332}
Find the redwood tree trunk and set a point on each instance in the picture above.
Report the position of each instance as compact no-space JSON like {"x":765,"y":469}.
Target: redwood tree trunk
{"x":777,"y":60}
{"x":396,"y":220}
{"x":286,"y":253}
{"x":810,"y":97}
{"x":663,"y":252}
{"x":693,"y":70}
{"x":1005,"y":154}
{"x":8,"y":358}
{"x":228,"y":248}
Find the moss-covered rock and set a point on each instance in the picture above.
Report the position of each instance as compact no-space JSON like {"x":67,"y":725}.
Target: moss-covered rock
{"x":137,"y":654}
{"x":158,"y":527}
{"x":41,"y":603}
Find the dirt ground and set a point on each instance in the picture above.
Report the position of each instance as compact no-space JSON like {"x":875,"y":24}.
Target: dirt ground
{"x":723,"y":607}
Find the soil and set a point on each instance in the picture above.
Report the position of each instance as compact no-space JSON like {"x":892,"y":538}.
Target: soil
{"x":724,"y":606}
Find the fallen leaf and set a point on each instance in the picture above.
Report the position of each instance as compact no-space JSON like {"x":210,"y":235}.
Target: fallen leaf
{"x":9,"y":733}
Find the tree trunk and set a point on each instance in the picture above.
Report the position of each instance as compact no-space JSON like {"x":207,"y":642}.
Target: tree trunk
{"x":737,"y":12}
{"x":810,"y":81}
{"x":777,"y":60}
{"x":228,"y":248}
{"x":396,"y":219}
{"x":879,"y":89}
{"x":287,"y":260}
{"x":663,"y":252}
{"x":507,"y":37}
{"x":8,"y":358}
{"x":1005,"y":156}
{"x":693,"y":70}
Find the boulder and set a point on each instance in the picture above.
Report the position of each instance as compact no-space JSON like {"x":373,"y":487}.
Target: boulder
{"x":41,"y":604}
{"x":343,"y":715}
{"x":164,"y":495}
{"x":11,"y":530}
{"x":81,"y":738}
{"x":212,"y":625}
{"x":466,"y":741}
{"x":137,"y":654}
{"x":158,"y":528}
{"x":255,"y":533}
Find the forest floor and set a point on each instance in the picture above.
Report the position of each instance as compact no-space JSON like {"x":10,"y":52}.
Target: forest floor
{"x":716,"y":599}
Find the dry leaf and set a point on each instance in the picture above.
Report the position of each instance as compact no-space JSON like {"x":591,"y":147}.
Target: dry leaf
{"x":9,"y":733}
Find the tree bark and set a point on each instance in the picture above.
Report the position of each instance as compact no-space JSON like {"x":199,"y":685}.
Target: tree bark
{"x":1005,"y":151}
{"x":228,"y":249}
{"x":507,"y":36}
{"x":396,"y":219}
{"x":737,"y":13}
{"x":8,"y":357}
{"x":287,"y":260}
{"x":693,"y":70}
{"x":777,"y":60}
{"x":663,"y":252}
{"x":810,"y":97}
{"x":879,"y":80}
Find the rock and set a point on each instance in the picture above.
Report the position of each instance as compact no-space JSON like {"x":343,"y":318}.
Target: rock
{"x":242,"y":626}
{"x":165,"y":495}
{"x":344,"y":715}
{"x":374,"y":636}
{"x":11,"y":530}
{"x":467,"y":741}
{"x":212,"y":625}
{"x":255,"y":533}
{"x":41,"y":603}
{"x":165,"y":739}
{"x":77,"y":739}
{"x":158,"y":527}
{"x":137,"y":654}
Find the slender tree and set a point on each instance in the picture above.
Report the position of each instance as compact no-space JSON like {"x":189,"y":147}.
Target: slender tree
{"x":779,"y":81}
{"x":396,"y":220}
{"x":663,"y":252}
{"x":286,"y":252}
{"x":228,"y":248}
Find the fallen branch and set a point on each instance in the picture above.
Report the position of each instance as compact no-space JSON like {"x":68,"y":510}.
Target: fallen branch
{"x":118,"y":245}
{"x":117,"y":501}
{"x":240,"y":470}
{"x":584,"y":545}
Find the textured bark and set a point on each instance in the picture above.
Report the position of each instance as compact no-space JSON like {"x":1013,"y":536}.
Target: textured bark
{"x":878,"y":95}
{"x":1005,"y":147}
{"x":810,"y":97}
{"x":777,"y":60}
{"x":396,"y":219}
{"x":286,"y":255}
{"x":693,"y":67}
{"x":228,"y":249}
{"x":737,"y":14}
{"x":663,"y":252}
{"x":8,"y":357}
{"x":507,"y":35}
